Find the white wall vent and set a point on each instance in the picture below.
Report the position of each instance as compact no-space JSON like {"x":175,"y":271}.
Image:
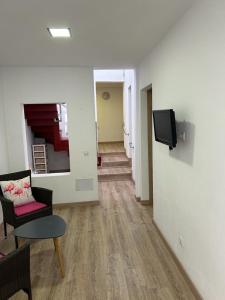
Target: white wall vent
{"x":84,"y":184}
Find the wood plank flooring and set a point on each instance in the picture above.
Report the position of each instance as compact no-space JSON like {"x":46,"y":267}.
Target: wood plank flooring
{"x":111,"y":252}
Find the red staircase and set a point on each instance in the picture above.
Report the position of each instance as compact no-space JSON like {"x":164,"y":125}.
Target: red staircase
{"x":43,"y":120}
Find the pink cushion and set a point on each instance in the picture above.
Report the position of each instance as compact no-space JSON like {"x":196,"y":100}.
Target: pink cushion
{"x":28,"y":208}
{"x":2,"y":255}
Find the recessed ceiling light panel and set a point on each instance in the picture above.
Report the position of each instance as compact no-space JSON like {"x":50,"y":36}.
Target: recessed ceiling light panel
{"x":60,"y":32}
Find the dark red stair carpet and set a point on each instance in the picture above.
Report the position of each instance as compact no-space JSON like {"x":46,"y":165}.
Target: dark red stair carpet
{"x":43,"y":120}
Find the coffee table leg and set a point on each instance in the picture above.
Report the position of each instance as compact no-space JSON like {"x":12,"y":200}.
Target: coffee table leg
{"x":59,"y":254}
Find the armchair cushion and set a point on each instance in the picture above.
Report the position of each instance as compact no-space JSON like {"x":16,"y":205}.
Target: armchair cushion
{"x":18,"y":191}
{"x":28,"y":208}
{"x":29,"y":213}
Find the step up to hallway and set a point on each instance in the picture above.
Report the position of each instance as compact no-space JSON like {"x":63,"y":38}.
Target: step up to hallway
{"x":111,"y":148}
{"x":115,"y":165}
{"x":114,"y":173}
{"x":111,"y":153}
{"x":115,"y":160}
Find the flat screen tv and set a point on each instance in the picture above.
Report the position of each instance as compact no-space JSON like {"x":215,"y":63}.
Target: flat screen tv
{"x":165,"y":127}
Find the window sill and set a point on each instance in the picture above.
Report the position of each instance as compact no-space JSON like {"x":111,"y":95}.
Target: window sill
{"x":33,"y":175}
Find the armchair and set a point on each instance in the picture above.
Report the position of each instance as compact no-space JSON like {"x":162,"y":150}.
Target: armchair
{"x":15,"y":273}
{"x":17,"y":216}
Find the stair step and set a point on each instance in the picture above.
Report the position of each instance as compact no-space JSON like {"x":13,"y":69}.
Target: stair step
{"x":112,"y":153}
{"x":117,"y":160}
{"x":40,"y":122}
{"x":40,"y":115}
{"x":114,"y":170}
{"x":111,"y":147}
{"x":40,"y":107}
{"x":115,"y":157}
{"x":112,"y":174}
{"x":114,"y":177}
{"x":119,"y":163}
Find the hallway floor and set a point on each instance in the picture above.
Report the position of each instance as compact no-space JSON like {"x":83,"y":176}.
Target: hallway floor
{"x":112,"y":251}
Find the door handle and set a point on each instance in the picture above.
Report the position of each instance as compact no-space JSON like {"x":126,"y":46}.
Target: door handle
{"x":131,"y":145}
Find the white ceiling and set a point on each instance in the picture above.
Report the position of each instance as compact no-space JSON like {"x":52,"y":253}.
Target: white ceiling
{"x":105,"y":33}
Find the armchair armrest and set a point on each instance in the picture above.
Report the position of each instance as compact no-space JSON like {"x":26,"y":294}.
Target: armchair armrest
{"x":8,"y":210}
{"x":42,"y":195}
{"x":15,"y":268}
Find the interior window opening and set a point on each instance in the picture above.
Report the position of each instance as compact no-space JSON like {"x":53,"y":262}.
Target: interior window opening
{"x":47,"y":138}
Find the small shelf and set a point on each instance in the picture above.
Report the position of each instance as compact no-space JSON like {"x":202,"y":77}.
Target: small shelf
{"x":38,"y":151}
{"x":40,"y":158}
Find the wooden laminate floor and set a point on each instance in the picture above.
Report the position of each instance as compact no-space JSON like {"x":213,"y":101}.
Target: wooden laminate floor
{"x":111,"y":252}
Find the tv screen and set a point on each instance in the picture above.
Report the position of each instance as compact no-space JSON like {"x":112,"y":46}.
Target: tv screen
{"x":165,"y":127}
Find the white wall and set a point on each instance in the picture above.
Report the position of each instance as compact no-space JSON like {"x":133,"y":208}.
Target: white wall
{"x":105,"y":76}
{"x":73,"y":86}
{"x":3,"y":148}
{"x":57,"y":160}
{"x":30,"y":142}
{"x":110,"y":114}
{"x":187,"y":73}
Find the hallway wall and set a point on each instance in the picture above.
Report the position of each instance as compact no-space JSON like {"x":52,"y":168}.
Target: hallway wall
{"x":110,"y":114}
{"x":73,"y":86}
{"x":3,"y":147}
{"x":187,"y":74}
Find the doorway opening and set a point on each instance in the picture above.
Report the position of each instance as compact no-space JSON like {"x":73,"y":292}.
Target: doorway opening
{"x":109,"y":96}
{"x":114,"y":96}
{"x":113,"y":163}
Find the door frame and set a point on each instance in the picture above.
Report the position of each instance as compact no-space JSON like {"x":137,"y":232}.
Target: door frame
{"x":150,"y":140}
{"x":130,"y":117}
{"x":143,"y":156}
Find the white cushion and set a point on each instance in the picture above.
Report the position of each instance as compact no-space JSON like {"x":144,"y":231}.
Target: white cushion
{"x":18,"y":191}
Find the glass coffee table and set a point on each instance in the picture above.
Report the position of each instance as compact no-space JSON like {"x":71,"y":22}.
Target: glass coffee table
{"x":50,"y":227}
